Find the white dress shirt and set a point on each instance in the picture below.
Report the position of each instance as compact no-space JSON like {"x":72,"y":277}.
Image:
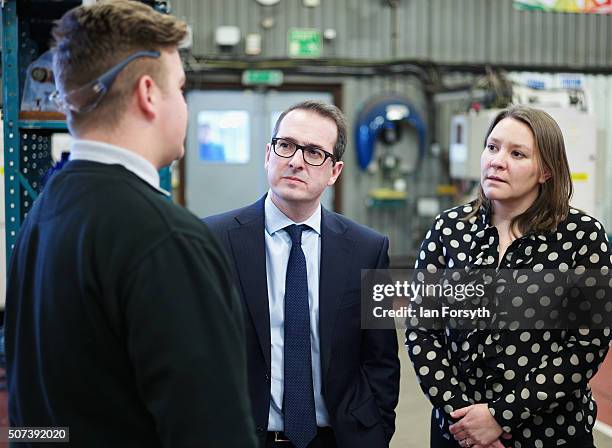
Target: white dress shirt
{"x":278,"y":247}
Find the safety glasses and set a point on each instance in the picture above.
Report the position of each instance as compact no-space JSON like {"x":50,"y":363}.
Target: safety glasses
{"x":89,"y":96}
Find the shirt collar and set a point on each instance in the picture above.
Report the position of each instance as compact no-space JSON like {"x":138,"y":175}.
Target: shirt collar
{"x":485,"y":217}
{"x":277,"y":220}
{"x":94,"y":151}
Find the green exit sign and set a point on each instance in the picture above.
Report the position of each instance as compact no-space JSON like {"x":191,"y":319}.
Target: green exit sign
{"x":305,"y":43}
{"x":262,"y":77}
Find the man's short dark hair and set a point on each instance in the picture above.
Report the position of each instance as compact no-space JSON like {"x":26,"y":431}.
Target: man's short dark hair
{"x":325,"y":110}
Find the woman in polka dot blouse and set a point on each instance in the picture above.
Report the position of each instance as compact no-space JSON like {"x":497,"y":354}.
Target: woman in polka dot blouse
{"x":515,"y":387}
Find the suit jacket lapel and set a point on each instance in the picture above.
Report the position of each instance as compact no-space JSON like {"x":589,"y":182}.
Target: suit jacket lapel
{"x":335,"y":251}
{"x":249,"y":251}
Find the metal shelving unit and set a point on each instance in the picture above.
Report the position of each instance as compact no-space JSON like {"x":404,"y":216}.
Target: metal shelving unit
{"x":26,"y":26}
{"x":57,"y":125}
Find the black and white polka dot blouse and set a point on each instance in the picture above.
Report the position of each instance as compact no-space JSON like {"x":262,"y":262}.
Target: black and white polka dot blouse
{"x":535,"y":382}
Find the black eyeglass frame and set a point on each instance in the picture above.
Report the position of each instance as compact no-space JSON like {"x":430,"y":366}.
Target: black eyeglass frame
{"x":327,"y":154}
{"x":99,"y":86}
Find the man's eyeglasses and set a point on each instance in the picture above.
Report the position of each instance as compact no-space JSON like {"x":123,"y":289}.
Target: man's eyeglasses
{"x":87,"y":97}
{"x":312,"y":155}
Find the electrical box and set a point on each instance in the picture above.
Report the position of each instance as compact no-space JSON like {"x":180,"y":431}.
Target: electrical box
{"x":467,"y":143}
{"x":580,"y":136}
{"x":579,"y":133}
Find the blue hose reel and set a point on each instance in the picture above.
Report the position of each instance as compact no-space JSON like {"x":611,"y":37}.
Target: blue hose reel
{"x":379,"y":114}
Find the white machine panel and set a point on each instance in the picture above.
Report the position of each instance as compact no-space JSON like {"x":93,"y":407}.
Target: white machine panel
{"x":580,"y":135}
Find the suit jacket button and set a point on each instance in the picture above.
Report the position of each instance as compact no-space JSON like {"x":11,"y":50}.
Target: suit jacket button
{"x":267,"y":377}
{"x":260,"y":430}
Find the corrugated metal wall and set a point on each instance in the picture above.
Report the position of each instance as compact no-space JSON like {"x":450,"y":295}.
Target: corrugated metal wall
{"x":456,"y":31}
{"x":446,"y":31}
{"x":403,"y":227}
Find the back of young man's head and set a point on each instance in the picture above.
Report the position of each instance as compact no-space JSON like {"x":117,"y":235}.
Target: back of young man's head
{"x":90,"y":40}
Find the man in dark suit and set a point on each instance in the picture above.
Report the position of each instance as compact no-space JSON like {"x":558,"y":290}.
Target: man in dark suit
{"x":316,"y":378}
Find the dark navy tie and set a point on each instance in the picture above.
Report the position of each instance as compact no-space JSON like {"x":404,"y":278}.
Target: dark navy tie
{"x":299,"y":406}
